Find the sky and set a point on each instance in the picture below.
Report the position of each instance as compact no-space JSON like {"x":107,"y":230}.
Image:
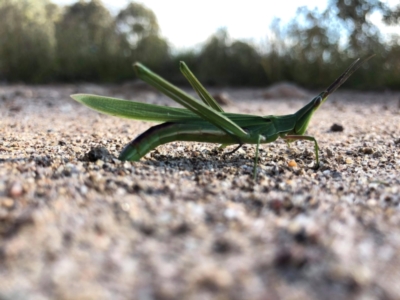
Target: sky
{"x":186,"y":24}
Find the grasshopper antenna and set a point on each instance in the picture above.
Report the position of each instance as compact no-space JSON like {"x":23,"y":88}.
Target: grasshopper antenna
{"x":346,"y":74}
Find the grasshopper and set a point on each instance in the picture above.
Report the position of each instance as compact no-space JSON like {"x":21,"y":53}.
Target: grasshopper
{"x":206,"y":121}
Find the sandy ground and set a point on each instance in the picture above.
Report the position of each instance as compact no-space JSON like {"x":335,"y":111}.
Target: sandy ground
{"x":186,"y":222}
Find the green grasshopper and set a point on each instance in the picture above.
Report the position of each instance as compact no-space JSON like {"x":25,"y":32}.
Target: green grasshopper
{"x":206,"y":121}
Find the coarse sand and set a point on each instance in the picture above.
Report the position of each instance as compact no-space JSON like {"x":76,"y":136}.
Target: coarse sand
{"x":185,"y":222}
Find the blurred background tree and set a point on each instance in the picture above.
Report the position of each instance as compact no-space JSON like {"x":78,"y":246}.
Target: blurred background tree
{"x":27,"y":40}
{"x":225,"y":62}
{"x":140,"y":40}
{"x":392,"y":16}
{"x":87,"y":43}
{"x":136,"y":22}
{"x":315,"y":46}
{"x":42,"y":42}
{"x":391,"y":63}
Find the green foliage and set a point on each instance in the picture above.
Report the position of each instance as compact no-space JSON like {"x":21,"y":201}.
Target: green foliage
{"x":27,"y":40}
{"x":238,"y":62}
{"x":153,"y":51}
{"x":136,"y":22}
{"x":41,"y":42}
{"x":87,"y":42}
{"x":313,"y":44}
{"x":323,"y":43}
{"x":138,"y":29}
{"x":392,"y":16}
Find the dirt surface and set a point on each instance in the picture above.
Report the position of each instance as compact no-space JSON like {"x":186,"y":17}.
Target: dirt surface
{"x":186,"y":222}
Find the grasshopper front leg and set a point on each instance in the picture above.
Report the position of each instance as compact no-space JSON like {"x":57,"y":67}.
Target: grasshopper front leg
{"x":232,"y":151}
{"x":256,"y":159}
{"x":308,"y":138}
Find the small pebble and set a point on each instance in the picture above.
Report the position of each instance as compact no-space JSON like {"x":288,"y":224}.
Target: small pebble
{"x":337,"y":128}
{"x":222,"y":98}
{"x":97,"y":153}
{"x":29,"y":150}
{"x":15,"y":190}
{"x":367,"y":150}
{"x":7,"y":203}
{"x":329,"y":152}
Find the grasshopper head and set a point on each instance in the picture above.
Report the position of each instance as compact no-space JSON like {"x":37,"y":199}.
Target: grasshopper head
{"x":317,"y":101}
{"x":305,"y":113}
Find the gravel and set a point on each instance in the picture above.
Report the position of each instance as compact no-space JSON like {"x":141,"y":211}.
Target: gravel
{"x":188,"y":223}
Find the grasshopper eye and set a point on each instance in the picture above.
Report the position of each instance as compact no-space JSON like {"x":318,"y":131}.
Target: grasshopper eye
{"x":317,"y":101}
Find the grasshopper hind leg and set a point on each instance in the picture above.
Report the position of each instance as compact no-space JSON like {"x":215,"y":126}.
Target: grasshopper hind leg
{"x":233,"y":151}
